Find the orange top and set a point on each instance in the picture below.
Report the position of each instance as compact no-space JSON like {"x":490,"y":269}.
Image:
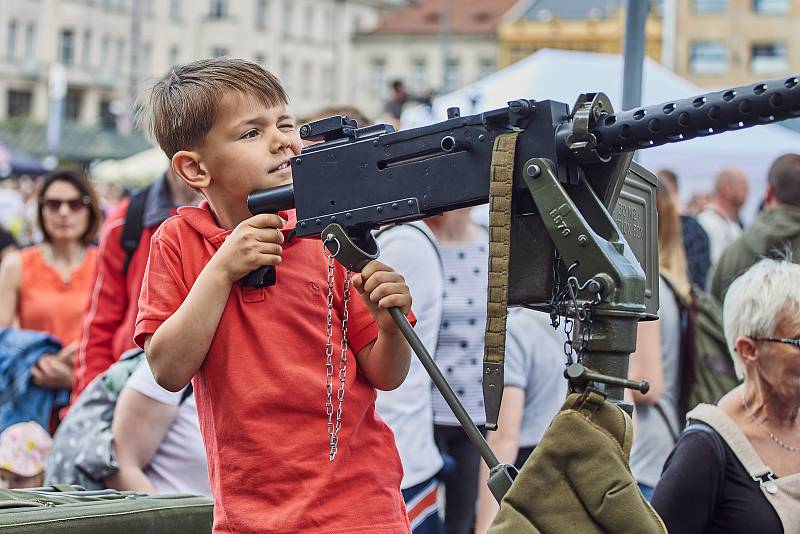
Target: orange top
{"x":50,"y":304}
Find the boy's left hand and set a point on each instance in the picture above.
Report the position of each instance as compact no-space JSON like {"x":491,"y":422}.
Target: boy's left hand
{"x":382,"y":288}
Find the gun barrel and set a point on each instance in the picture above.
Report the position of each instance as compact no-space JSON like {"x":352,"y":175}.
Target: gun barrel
{"x":271,"y":200}
{"x":707,"y":114}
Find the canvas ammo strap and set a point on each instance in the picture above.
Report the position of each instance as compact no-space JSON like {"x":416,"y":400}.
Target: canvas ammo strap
{"x":501,"y":181}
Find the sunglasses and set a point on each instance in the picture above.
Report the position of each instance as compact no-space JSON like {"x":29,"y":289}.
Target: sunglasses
{"x":74,"y":204}
{"x":791,"y":341}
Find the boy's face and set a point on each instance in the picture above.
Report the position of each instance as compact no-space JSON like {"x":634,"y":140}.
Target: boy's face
{"x":248,"y":148}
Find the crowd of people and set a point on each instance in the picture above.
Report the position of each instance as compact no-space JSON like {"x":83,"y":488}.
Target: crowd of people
{"x":116,"y":304}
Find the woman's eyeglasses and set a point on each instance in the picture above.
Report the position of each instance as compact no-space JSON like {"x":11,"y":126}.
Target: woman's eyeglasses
{"x":795,"y":342}
{"x":74,"y":204}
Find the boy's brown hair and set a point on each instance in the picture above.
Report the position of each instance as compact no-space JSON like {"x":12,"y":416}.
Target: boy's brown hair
{"x":180,"y":109}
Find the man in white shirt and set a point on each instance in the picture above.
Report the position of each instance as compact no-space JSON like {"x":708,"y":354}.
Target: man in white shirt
{"x":411,"y":250}
{"x":720,"y":217}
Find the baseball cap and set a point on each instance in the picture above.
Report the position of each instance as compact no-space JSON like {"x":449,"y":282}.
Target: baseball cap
{"x":24,"y":449}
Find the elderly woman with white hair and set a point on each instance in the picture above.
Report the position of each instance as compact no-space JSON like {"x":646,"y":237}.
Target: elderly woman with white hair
{"x":736,"y":467}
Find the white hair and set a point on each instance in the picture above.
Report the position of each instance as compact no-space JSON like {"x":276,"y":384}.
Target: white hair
{"x":757,"y":300}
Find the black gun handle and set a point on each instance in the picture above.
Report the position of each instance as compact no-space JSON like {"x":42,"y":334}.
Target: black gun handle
{"x":261,"y":277}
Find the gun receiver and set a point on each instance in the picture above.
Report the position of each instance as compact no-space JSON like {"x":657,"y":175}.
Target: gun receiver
{"x":572,"y":170}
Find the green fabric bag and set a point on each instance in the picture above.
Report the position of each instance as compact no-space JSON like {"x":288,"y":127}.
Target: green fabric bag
{"x":577,"y":480}
{"x":71,"y":510}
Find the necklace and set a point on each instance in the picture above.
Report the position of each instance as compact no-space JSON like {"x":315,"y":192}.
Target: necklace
{"x":772,"y":436}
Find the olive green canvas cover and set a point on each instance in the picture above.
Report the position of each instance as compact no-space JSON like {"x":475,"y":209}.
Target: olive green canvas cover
{"x":70,"y":509}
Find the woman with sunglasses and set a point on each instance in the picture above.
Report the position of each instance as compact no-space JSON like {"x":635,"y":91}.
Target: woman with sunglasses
{"x":736,"y":468}
{"x":46,"y":287}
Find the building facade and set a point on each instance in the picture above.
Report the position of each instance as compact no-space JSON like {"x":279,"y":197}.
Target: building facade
{"x":721,"y":43}
{"x":431,"y":45}
{"x":583,"y":25}
{"x":111,"y":49}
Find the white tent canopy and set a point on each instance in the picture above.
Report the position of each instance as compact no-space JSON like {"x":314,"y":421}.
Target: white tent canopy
{"x":139,"y":169}
{"x":561,"y":75}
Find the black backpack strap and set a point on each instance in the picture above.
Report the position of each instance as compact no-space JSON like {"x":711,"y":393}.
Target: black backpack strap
{"x":660,"y":410}
{"x":186,"y":393}
{"x":697,"y":426}
{"x":134,"y":224}
{"x":431,"y":241}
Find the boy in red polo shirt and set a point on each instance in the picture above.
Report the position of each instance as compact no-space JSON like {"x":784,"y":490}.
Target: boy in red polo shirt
{"x":290,"y":430}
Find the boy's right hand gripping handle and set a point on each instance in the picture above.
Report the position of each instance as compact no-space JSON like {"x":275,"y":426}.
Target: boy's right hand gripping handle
{"x":267,"y":201}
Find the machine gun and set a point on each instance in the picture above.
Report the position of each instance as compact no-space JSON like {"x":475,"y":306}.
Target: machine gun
{"x":571,"y":170}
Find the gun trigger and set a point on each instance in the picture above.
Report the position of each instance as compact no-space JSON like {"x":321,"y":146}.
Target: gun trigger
{"x":492,"y":392}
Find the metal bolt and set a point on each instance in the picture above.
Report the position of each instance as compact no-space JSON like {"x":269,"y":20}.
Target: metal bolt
{"x":533,"y":170}
{"x":333,"y":218}
{"x":394,"y":205}
{"x":410,"y":202}
{"x":348,"y":216}
{"x":380,"y":209}
{"x":481,"y":138}
{"x":374,"y":142}
{"x":305,"y":130}
{"x":302,"y":225}
{"x":583,"y":240}
{"x":298,"y":161}
{"x":318,"y":222}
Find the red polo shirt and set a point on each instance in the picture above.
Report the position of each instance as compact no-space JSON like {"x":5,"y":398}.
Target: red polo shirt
{"x":261,"y":392}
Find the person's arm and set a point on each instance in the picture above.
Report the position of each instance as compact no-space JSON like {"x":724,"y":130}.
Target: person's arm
{"x":134,"y":447}
{"x":10,"y":276}
{"x":693,"y":477}
{"x":176,"y":350}
{"x":505,"y":444}
{"x":106,"y":310}
{"x":645,"y":363}
{"x":386,"y":361}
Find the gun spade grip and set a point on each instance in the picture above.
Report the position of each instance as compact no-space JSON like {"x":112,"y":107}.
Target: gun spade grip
{"x":261,"y":277}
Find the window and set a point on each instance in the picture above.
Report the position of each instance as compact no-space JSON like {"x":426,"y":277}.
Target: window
{"x":11,"y":49}
{"x":86,"y":49}
{"x":174,"y":55}
{"x":452,"y":75}
{"x":708,"y":57}
{"x":147,"y":58}
{"x":175,"y":10}
{"x":261,"y":14}
{"x":486,"y":66}
{"x":772,"y":7}
{"x":768,"y":58}
{"x":286,"y":30}
{"x":328,"y":83}
{"x":286,"y":72}
{"x":377,"y":73}
{"x":30,"y":40}
{"x":66,"y":47}
{"x":120,"y":55}
{"x":709,"y":6}
{"x":72,"y":104}
{"x":107,"y":118}
{"x":219,"y":51}
{"x":19,"y":103}
{"x":105,"y":46}
{"x":219,"y":9}
{"x":419,"y":74}
{"x":309,"y":20}
{"x":307,"y":83}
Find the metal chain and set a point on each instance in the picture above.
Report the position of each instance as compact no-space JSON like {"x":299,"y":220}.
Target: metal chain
{"x":335,"y":427}
{"x":559,"y":298}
